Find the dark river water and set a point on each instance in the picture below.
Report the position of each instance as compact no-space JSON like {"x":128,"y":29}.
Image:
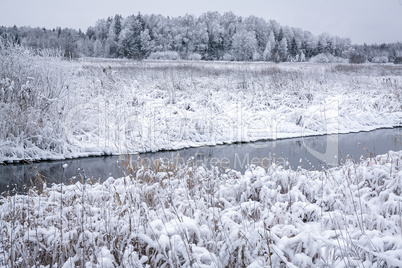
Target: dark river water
{"x":310,"y":153}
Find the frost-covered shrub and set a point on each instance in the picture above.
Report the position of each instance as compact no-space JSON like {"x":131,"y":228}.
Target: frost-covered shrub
{"x":320,"y":58}
{"x":326,"y":58}
{"x":227,"y":57}
{"x":194,"y":56}
{"x":32,"y":86}
{"x":382,"y":59}
{"x":165,"y":55}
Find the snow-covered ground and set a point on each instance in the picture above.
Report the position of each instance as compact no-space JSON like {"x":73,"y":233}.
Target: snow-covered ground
{"x":120,"y":106}
{"x":349,"y":216}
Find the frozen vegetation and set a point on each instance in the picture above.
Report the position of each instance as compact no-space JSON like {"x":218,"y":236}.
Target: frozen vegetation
{"x":172,"y":216}
{"x":349,"y":216}
{"x":55,"y":109}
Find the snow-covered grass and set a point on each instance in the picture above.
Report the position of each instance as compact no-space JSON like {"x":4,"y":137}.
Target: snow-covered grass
{"x":99,"y":106}
{"x":349,"y":216}
{"x":32,"y":100}
{"x":148,"y":106}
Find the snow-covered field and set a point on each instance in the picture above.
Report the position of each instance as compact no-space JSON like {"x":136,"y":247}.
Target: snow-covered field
{"x":349,"y":216}
{"x":95,"y":107}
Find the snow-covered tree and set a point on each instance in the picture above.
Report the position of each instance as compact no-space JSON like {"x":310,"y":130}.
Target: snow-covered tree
{"x":269,"y":47}
{"x":230,"y":23}
{"x":130,"y":37}
{"x":210,"y":35}
{"x":283,"y":49}
{"x":293,"y":50}
{"x":113,"y":37}
{"x":244,"y":45}
{"x":261,"y":29}
{"x":147,"y":44}
{"x":98,"y":49}
{"x":215,"y":34}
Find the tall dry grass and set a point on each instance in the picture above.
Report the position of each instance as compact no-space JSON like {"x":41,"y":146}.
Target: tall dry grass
{"x":33,"y":86}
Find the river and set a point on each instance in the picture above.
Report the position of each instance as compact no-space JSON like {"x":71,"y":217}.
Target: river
{"x":312,"y":153}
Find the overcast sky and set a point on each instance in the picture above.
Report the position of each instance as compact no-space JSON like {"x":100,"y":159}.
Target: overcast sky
{"x":363,"y":21}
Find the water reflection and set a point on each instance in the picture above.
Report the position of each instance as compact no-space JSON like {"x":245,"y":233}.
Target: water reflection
{"x":290,"y":153}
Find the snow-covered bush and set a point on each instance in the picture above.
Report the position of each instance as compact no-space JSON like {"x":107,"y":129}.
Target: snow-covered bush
{"x":32,"y":87}
{"x":320,"y":58}
{"x":166,"y":55}
{"x":326,"y":58}
{"x":194,"y":56}
{"x":227,"y":57}
{"x":382,"y":59}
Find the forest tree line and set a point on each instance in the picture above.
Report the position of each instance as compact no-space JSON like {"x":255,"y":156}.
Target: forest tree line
{"x":210,"y":36}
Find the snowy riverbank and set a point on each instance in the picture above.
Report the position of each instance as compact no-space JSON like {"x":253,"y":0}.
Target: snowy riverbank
{"x":341,"y":217}
{"x":121,"y":106}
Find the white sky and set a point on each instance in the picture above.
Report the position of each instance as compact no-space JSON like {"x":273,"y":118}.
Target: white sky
{"x":369,"y":21}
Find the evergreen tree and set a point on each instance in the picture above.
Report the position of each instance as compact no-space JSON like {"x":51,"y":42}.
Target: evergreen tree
{"x":117,"y":27}
{"x":319,"y":48}
{"x":279,"y":37}
{"x":283,"y":49}
{"x":294,"y":50}
{"x":113,"y":37}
